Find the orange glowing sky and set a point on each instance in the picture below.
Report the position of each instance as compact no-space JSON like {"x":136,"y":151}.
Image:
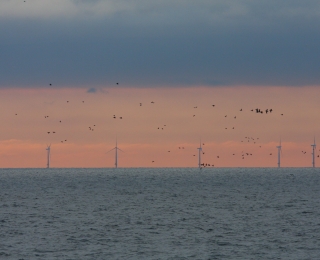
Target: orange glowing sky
{"x":185,"y":114}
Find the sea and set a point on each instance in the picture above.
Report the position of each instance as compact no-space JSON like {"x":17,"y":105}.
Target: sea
{"x":160,"y":213}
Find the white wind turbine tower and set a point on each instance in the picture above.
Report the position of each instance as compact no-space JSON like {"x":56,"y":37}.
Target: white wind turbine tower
{"x":314,"y":146}
{"x":116,"y":154}
{"x":279,"y":151}
{"x":199,"y":158}
{"x":48,"y":155}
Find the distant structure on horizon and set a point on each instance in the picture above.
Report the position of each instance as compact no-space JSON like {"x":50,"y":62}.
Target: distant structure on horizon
{"x":48,"y":155}
{"x":279,"y":151}
{"x":116,"y":154}
{"x":199,"y":157}
{"x":314,"y":146}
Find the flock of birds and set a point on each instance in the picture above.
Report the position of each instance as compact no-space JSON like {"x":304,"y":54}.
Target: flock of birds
{"x":247,"y":139}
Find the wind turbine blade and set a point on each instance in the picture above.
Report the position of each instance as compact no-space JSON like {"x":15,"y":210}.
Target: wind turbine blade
{"x":112,"y":149}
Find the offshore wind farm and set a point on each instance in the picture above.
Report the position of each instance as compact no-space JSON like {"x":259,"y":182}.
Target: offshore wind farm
{"x":200,"y":152}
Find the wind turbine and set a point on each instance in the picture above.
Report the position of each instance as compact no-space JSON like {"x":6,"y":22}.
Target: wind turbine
{"x":48,"y":155}
{"x":314,"y":146}
{"x":279,"y":151}
{"x":199,"y":158}
{"x":116,"y":154}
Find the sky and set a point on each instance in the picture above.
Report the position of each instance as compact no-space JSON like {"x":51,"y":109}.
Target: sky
{"x":85,"y":62}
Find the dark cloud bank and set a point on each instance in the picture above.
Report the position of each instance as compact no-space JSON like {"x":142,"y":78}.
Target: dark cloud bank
{"x":266,"y":43}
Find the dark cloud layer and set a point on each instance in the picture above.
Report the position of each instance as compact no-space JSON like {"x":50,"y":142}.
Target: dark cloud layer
{"x":195,"y":43}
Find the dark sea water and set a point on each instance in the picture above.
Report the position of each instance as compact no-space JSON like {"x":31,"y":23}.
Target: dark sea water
{"x":174,"y":213}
